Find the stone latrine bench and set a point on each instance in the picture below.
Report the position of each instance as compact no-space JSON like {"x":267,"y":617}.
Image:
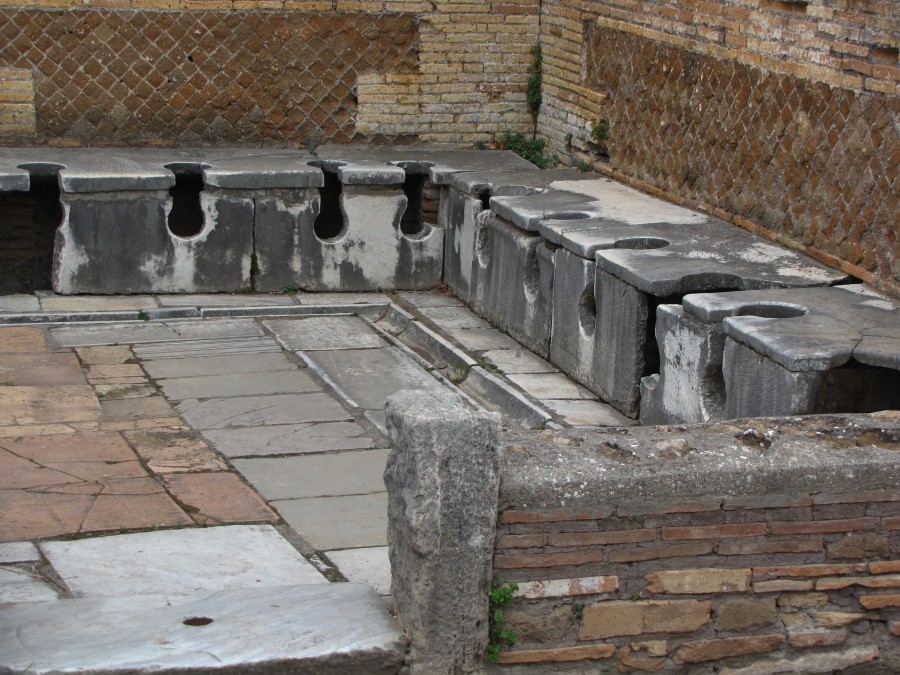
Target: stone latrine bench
{"x":774,"y":352}
{"x":230,"y":220}
{"x":753,"y":546}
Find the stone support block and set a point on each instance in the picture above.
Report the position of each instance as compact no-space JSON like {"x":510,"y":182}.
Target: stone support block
{"x":515,"y":278}
{"x":442,"y":480}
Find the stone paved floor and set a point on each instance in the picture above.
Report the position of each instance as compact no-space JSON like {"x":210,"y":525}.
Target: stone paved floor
{"x":182,"y":454}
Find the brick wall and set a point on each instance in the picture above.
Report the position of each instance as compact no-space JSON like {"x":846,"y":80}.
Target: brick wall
{"x":780,"y":116}
{"x":805,"y":581}
{"x":262,"y":72}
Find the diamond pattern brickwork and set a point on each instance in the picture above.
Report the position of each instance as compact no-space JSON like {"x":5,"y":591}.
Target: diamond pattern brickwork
{"x":201,"y":77}
{"x":815,"y":163}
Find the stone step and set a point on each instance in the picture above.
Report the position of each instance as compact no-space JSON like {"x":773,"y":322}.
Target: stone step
{"x":321,"y":628}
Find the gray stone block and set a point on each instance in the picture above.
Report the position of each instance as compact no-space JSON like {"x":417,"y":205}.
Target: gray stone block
{"x":574,"y":315}
{"x":774,"y":352}
{"x":515,"y":282}
{"x":284,"y":220}
{"x":660,"y":263}
{"x":121,"y":243}
{"x":689,"y":387}
{"x":369,"y":251}
{"x":443,"y":484}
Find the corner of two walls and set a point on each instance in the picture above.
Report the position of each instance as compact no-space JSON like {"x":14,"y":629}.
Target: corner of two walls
{"x":779,"y":117}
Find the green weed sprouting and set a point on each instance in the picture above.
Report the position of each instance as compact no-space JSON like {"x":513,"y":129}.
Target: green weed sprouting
{"x":498,"y":634}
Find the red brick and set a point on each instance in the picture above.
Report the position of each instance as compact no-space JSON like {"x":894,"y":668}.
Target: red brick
{"x":880,"y":601}
{"x":826,"y":638}
{"x":836,"y":583}
{"x":715,"y":531}
{"x":868,"y":496}
{"x":562,"y":654}
{"x":599,"y":538}
{"x":622,"y":617}
{"x":824,"y":526}
{"x":706,"y":580}
{"x":521,"y":541}
{"x":681,"y":550}
{"x":645,"y":508}
{"x":767,"y":502}
{"x":556,"y":515}
{"x":758,"y":547}
{"x":525,"y":560}
{"x":884,"y":567}
{"x":894,"y":628}
{"x":892,"y":523}
{"x":775,"y":572}
{"x":711,"y":650}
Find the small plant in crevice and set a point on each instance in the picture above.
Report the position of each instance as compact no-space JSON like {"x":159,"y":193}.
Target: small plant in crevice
{"x":532,"y":150}
{"x":600,"y":131}
{"x":569,"y":142}
{"x":498,"y":634}
{"x":143,"y":316}
{"x":583,"y":166}
{"x":534,"y":95}
{"x":290,"y":289}
{"x":577,"y":612}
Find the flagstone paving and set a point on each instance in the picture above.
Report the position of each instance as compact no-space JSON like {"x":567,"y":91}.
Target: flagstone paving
{"x":175,"y":455}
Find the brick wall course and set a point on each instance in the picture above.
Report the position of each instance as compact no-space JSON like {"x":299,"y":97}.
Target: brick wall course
{"x":705,"y":594}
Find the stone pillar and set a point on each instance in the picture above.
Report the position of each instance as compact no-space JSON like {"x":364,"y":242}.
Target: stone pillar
{"x":442,"y":479}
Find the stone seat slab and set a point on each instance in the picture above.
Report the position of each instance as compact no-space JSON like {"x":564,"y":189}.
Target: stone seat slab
{"x":118,"y":169}
{"x":774,"y":351}
{"x":835,"y":324}
{"x":439,"y":162}
{"x":665,"y":258}
{"x":333,"y":628}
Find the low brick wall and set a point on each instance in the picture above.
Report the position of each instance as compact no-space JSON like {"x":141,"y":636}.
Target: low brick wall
{"x":799,"y":576}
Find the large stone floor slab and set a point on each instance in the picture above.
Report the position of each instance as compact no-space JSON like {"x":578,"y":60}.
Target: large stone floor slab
{"x":252,"y":411}
{"x":369,"y":376}
{"x":179,"y":562}
{"x":354,"y":521}
{"x":225,"y":300}
{"x":179,"y":349}
{"x":289,"y":439}
{"x":40,"y":370}
{"x":365,"y":566}
{"x":40,"y":405}
{"x":338,"y":628}
{"x":20,"y":584}
{"x":218,"y":365}
{"x":345,"y":473}
{"x":324,"y":332}
{"x":243,"y":384}
{"x":124,"y":332}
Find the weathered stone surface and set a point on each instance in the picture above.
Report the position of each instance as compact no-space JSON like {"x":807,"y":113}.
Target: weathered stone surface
{"x":238,"y":384}
{"x":368,"y":376}
{"x":39,"y":405}
{"x":368,"y":250}
{"x":179,"y":562}
{"x":441,"y":540}
{"x":344,"y":628}
{"x":174,"y":450}
{"x":548,"y":627}
{"x":555,"y":588}
{"x":821,"y":662}
{"x":711,"y":650}
{"x":561,"y":654}
{"x":345,"y":473}
{"x":149,"y":257}
{"x":636,"y":662}
{"x":251,"y":411}
{"x":859,"y":545}
{"x":317,"y":333}
{"x":742,"y":613}
{"x":338,"y":522}
{"x":821,"y":638}
{"x":840,"y":619}
{"x":574,"y":315}
{"x":515,"y":289}
{"x":616,"y":618}
{"x":803,"y":600}
{"x":218,"y":497}
{"x":218,"y":365}
{"x":365,"y":566}
{"x":699,"y":581}
{"x":289,"y":439}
